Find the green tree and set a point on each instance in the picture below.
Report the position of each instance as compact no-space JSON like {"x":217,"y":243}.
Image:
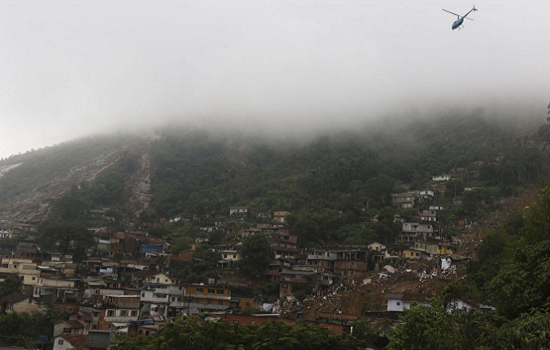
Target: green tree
{"x":58,"y":236}
{"x":537,"y":218}
{"x":524,"y":282}
{"x":12,"y":284}
{"x":256,"y":255}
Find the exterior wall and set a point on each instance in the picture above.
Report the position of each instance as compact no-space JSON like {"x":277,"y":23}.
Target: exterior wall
{"x":90,"y":292}
{"x":124,"y":315}
{"x":61,"y":344}
{"x":414,"y":227}
{"x":159,"y":278}
{"x":412,"y":254}
{"x":443,"y":250}
{"x":146,"y":331}
{"x":399,"y":305}
{"x":149,"y":296}
{"x":350,"y":266}
{"x":230,"y":255}
{"x":25,"y":306}
{"x":30,"y":279}
{"x":59,"y":328}
{"x":376,"y":246}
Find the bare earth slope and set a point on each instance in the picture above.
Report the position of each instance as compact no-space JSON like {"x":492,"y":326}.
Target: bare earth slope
{"x":32,"y":201}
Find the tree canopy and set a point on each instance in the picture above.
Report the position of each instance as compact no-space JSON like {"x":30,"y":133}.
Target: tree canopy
{"x":256,"y":255}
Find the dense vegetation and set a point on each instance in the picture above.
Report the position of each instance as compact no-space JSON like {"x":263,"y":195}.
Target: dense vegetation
{"x":197,"y":335}
{"x":333,"y":184}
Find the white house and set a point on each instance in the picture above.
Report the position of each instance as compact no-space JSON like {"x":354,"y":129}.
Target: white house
{"x":69,"y":341}
{"x":441,"y":178}
{"x":400,"y":302}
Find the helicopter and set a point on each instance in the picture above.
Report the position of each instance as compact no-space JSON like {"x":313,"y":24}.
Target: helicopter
{"x":460,"y":20}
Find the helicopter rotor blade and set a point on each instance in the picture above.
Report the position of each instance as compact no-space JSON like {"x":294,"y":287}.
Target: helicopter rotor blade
{"x":451,"y":12}
{"x":471,"y":19}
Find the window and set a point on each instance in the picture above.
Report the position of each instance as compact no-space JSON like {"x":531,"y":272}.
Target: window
{"x":220,"y":302}
{"x":211,"y":290}
{"x":133,"y":313}
{"x":110,"y":313}
{"x":220,"y":291}
{"x":199,"y":290}
{"x":140,"y":332}
{"x":60,"y":342}
{"x":123,"y":313}
{"x":143,"y":295}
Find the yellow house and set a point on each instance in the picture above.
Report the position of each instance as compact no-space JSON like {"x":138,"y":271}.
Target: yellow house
{"x":412,"y":254}
{"x":208,"y":295}
{"x":444,"y":250}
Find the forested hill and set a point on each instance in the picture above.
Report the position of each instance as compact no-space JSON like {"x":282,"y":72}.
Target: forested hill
{"x":199,"y":172}
{"x":203,"y":173}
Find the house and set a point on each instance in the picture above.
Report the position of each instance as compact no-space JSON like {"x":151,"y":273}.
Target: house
{"x":403,"y":200}
{"x":86,"y":319}
{"x":428,"y":215}
{"x":152,"y":277}
{"x":402,"y":301}
{"x":119,"y":309}
{"x":413,"y":232}
{"x":411,"y":253}
{"x":289,"y":278}
{"x":375,"y":246}
{"x":149,"y":248}
{"x":69,"y":341}
{"x":280,"y":216}
{"x":68,"y":327}
{"x":57,"y":288}
{"x":100,"y":339}
{"x":265,"y":216}
{"x":203,"y":297}
{"x":19,"y":302}
{"x":229,"y":258}
{"x":243,"y":233}
{"x":438,"y":187}
{"x":441,"y":177}
{"x":238,"y":213}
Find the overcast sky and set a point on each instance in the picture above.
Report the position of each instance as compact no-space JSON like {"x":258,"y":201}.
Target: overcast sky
{"x":69,"y":68}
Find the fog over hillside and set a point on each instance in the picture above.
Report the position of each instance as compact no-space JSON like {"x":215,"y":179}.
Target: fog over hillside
{"x":74,"y":68}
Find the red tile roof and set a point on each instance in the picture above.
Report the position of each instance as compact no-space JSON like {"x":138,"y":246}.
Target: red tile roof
{"x":76,"y":340}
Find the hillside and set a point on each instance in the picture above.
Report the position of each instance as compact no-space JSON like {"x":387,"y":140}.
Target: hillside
{"x":185,"y":170}
{"x":30,"y":182}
